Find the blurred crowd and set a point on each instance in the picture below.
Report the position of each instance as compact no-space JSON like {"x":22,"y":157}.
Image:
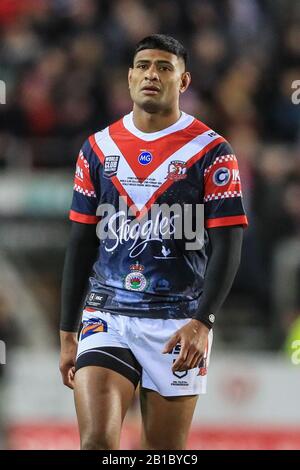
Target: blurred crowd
{"x":65,"y":66}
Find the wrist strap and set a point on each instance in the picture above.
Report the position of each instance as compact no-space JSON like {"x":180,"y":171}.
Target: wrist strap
{"x":208,"y":319}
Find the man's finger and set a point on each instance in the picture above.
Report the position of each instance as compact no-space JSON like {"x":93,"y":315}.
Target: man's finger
{"x":66,"y":381}
{"x":191,"y":359}
{"x":71,"y":375}
{"x":196,"y":359}
{"x":68,"y":374}
{"x":181,"y":358}
{"x":170,"y":344}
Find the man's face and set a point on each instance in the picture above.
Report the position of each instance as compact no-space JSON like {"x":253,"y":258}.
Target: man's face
{"x":156,"y":80}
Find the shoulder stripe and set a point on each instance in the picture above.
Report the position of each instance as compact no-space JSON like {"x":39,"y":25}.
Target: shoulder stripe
{"x":83,"y":218}
{"x":226,"y":221}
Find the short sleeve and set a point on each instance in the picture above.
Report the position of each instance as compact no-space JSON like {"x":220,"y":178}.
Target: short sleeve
{"x":223,"y":199}
{"x":86,"y":187}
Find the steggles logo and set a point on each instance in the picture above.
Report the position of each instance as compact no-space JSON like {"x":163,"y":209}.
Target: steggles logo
{"x":162,"y":222}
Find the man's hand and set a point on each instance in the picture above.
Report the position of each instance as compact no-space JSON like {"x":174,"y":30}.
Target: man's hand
{"x":68,"y":350}
{"x":193,"y":339}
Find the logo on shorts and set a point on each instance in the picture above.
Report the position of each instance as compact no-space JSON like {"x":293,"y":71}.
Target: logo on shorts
{"x":111,"y":163}
{"x":176,"y":170}
{"x":92,"y":326}
{"x":180,"y":375}
{"x":136,"y":280}
{"x":202,"y":367}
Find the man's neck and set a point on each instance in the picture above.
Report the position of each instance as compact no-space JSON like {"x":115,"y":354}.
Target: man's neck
{"x":153,"y":122}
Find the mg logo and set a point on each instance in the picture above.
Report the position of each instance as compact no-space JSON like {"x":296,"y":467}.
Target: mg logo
{"x":145,"y":158}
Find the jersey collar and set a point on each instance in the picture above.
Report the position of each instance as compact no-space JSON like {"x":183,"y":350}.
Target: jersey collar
{"x":184,"y":121}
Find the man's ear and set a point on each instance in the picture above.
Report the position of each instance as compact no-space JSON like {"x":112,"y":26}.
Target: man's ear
{"x":129,"y":76}
{"x":185,"y":81}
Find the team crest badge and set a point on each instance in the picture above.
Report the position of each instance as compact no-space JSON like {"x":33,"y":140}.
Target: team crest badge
{"x":136,"y":280}
{"x":177,"y":170}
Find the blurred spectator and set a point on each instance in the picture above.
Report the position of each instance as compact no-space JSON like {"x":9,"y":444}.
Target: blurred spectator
{"x":61,"y":62}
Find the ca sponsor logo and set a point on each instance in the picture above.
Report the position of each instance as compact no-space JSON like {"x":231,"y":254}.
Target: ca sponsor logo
{"x":221,"y":176}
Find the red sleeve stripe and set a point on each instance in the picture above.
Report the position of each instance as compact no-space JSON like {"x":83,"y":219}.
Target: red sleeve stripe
{"x":226,"y":221}
{"x":83,"y":218}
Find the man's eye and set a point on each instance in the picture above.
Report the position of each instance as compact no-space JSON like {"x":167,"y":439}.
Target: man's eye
{"x":141,"y":66}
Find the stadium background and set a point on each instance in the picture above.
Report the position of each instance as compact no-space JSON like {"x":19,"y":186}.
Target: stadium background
{"x":64,"y":64}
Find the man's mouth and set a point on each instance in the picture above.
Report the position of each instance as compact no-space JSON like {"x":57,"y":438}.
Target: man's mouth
{"x":150,"y":89}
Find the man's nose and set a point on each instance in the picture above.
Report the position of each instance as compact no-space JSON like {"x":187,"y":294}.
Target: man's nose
{"x":151,"y":73}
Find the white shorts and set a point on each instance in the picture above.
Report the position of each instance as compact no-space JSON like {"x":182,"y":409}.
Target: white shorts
{"x":133,"y":347}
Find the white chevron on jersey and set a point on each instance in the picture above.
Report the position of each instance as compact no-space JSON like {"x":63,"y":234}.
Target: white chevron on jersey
{"x":140,"y":192}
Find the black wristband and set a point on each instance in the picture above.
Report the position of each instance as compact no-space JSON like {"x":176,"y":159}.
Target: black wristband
{"x":207,"y":320}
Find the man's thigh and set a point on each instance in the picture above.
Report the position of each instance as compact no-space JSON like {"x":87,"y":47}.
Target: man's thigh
{"x":102,"y":397}
{"x":166,"y":420}
{"x":106,"y":376}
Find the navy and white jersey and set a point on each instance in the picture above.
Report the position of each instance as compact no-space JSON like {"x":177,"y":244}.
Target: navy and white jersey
{"x":144,"y":266}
